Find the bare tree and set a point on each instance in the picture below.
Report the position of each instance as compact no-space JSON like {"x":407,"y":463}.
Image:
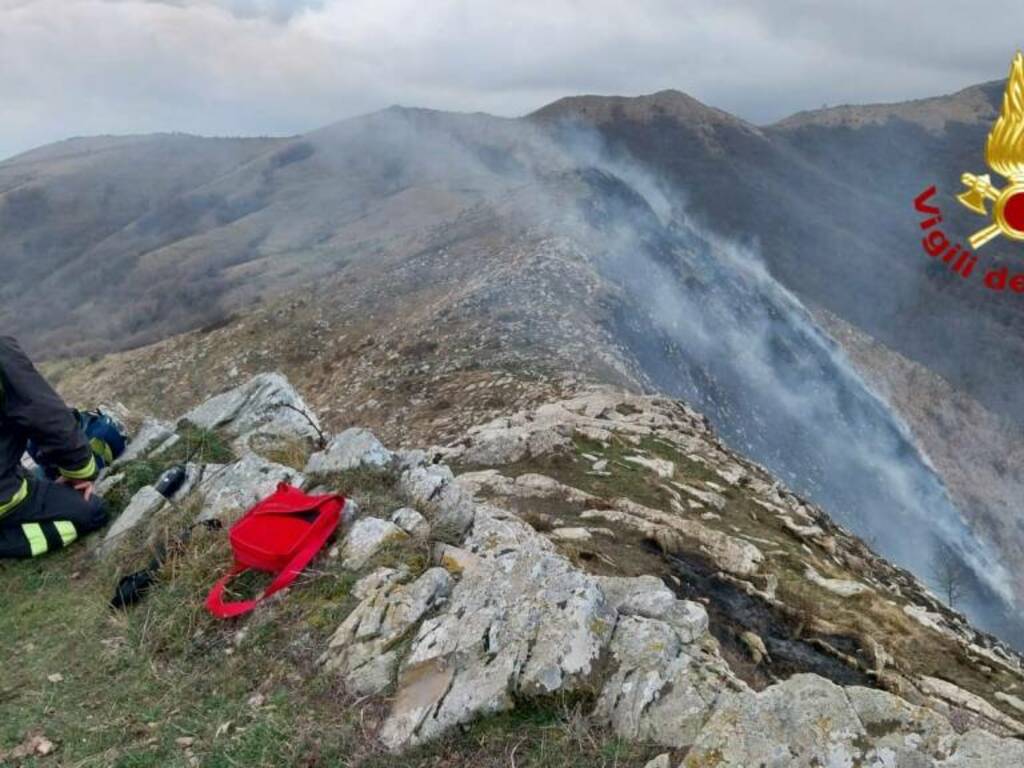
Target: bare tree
{"x":948,"y":573}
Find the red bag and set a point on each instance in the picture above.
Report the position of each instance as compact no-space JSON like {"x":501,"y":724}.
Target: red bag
{"x":277,"y":536}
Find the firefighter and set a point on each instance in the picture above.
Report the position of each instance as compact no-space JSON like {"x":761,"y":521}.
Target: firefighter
{"x":39,"y":515}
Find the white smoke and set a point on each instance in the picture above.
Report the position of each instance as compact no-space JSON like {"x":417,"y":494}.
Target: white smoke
{"x":752,"y":358}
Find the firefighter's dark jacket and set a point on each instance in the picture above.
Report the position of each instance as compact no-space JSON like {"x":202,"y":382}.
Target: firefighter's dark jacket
{"x":31,"y":410}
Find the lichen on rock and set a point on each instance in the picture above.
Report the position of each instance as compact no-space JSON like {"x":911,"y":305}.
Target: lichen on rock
{"x":532,"y":575}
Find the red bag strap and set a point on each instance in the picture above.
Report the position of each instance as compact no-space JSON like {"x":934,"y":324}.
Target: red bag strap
{"x":320,"y":531}
{"x":215,"y":600}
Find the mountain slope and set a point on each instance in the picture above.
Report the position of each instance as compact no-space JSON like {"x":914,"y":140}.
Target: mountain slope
{"x":427,"y":245}
{"x":63,"y":207}
{"x":979,"y":454}
{"x":263,"y":218}
{"x":564,"y":270}
{"x":592,"y":581}
{"x":185,"y":230}
{"x":827,"y":196}
{"x":970,"y":106}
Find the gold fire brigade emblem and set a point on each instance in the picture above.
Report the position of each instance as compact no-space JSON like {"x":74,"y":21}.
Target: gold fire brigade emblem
{"x":1004,"y":154}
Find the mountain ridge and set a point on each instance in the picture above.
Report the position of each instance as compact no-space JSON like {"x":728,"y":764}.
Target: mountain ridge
{"x":966,"y":105}
{"x":600,"y":548}
{"x":451,"y":226}
{"x":577,"y":105}
{"x":668,"y":103}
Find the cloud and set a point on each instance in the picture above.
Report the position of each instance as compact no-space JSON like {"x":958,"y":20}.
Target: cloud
{"x":234,"y":67}
{"x":276,"y":10}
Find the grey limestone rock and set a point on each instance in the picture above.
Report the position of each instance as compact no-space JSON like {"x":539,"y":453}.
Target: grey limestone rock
{"x":353,"y":448}
{"x":266,"y":405}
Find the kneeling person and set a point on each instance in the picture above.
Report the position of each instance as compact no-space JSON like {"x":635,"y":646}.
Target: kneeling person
{"x":38,"y":515}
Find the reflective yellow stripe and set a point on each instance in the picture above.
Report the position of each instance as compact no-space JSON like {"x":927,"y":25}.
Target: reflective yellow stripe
{"x":101,"y":449}
{"x":16,"y":499}
{"x":36,"y":538}
{"x":67,"y":531}
{"x":84,"y":473}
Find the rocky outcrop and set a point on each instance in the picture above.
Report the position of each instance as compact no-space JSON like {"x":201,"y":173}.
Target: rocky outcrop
{"x":351,"y":449}
{"x":523,"y":622}
{"x":266,"y":406}
{"x":231,"y":489}
{"x":952,"y":694}
{"x":362,"y":650}
{"x":841,"y":587}
{"x":433,"y":487}
{"x":412,"y":522}
{"x":666,"y":677}
{"x":647,"y":597}
{"x":145,"y":503}
{"x":552,"y":426}
{"x":151,"y":436}
{"x":516,"y":592}
{"x":731,"y":553}
{"x":809,"y":721}
{"x":529,"y":485}
{"x":504,"y":442}
{"x":366,"y":538}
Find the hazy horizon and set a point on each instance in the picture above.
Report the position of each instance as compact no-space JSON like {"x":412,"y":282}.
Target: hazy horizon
{"x":283,"y":67}
{"x":114,"y":134}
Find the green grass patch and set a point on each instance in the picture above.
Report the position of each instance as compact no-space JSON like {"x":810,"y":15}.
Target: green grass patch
{"x":203,"y":446}
{"x":288,"y":452}
{"x":550,"y":733}
{"x":374,"y":490}
{"x":137,"y":474}
{"x":626,"y":479}
{"x":687,"y":470}
{"x":247,"y":692}
{"x":194,"y":444}
{"x":414,"y":555}
{"x":133,"y":683}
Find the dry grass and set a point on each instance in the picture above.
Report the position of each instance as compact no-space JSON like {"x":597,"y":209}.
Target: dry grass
{"x":249,"y":692}
{"x":374,"y":490}
{"x":292,"y":453}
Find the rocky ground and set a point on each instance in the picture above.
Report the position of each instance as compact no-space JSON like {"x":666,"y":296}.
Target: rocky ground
{"x":492,"y":312}
{"x":418,"y":350}
{"x":600,"y":548}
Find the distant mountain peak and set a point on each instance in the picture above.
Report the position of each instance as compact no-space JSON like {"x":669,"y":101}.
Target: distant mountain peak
{"x":669,"y":103}
{"x":975,"y":104}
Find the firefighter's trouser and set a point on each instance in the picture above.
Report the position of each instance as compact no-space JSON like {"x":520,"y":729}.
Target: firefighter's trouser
{"x":51,"y":518}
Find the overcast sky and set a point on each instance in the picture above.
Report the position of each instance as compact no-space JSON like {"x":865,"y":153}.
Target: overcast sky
{"x":247,"y":67}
